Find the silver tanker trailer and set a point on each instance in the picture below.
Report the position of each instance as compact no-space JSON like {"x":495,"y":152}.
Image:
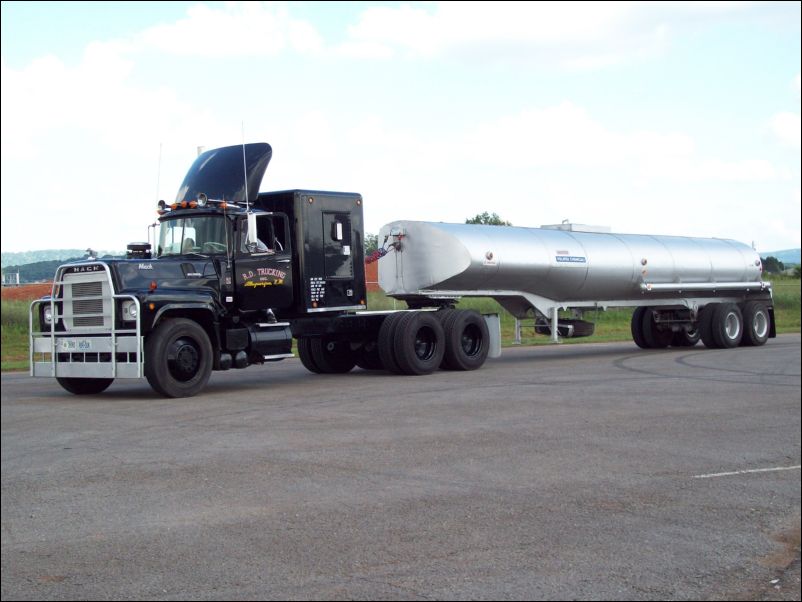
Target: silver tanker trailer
{"x":684,"y":289}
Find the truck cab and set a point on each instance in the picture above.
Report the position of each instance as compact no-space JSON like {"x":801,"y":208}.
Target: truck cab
{"x":233,"y":274}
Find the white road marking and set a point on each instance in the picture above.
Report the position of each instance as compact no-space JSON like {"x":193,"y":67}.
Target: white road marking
{"x":726,"y":474}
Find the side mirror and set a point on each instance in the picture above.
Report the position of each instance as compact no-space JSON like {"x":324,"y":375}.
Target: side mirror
{"x":251,"y":231}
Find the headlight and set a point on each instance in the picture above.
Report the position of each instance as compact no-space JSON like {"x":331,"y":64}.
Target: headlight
{"x":129,"y":311}
{"x":48,"y":314}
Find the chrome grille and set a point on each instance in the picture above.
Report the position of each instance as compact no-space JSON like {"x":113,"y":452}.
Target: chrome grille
{"x":87,"y":289}
{"x":87,"y":300}
{"x":80,"y":307}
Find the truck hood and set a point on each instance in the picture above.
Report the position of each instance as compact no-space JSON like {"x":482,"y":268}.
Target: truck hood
{"x":179,"y":272}
{"x":219,"y":173}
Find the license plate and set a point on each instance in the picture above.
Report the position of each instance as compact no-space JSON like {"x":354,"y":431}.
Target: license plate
{"x":75,"y":345}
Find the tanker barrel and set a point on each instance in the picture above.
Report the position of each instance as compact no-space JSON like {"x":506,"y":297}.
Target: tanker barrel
{"x":560,"y":265}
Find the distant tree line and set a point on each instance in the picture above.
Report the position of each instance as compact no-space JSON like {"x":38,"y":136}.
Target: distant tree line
{"x":488,"y":219}
{"x":41,"y":270}
{"x":772,"y":265}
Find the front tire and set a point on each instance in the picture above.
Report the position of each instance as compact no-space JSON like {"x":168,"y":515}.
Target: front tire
{"x":178,"y":358}
{"x":84,"y":386}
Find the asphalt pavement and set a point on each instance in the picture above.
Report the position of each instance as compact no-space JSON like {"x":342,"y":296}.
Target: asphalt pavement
{"x":596,"y":471}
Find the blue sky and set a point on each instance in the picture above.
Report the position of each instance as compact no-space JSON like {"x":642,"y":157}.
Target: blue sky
{"x":661,"y":118}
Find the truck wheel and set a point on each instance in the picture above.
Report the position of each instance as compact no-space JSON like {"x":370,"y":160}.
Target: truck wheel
{"x":178,"y":358}
{"x":636,"y":326}
{"x":705,"y":325}
{"x":333,"y":356}
{"x":386,"y":343}
{"x":757,"y":324}
{"x":727,"y":325}
{"x":685,"y":338}
{"x":84,"y":386}
{"x":467,"y":341}
{"x":369,"y":357}
{"x":419,"y":343}
{"x":305,"y":353}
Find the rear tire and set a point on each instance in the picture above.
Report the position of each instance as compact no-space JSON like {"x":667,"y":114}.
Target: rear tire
{"x":685,"y":338}
{"x":727,"y":325}
{"x":305,"y":353}
{"x":386,"y":343}
{"x":705,"y":325}
{"x":467,"y":341}
{"x":369,"y":357}
{"x":654,"y":337}
{"x":333,"y":356}
{"x":419,"y":343}
{"x":757,"y":324}
{"x":636,"y":327}
{"x":84,"y":386}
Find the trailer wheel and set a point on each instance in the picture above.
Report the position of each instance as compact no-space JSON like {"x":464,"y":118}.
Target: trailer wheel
{"x":467,"y":341}
{"x":305,"y":353}
{"x":419,"y":343}
{"x":178,"y":358}
{"x":727,"y":325}
{"x":636,"y":327}
{"x":757,"y":324}
{"x":84,"y":386}
{"x":333,"y":356}
{"x":685,"y":338}
{"x":705,"y":325}
{"x":645,"y":332}
{"x":386,"y":343}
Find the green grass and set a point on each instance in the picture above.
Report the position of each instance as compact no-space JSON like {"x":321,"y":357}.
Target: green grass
{"x":612,"y":325}
{"x":14,"y":335}
{"x":786,"y":303}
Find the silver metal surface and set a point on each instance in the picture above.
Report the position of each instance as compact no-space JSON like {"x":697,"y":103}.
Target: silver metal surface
{"x":557,"y":267}
{"x":90,"y":342}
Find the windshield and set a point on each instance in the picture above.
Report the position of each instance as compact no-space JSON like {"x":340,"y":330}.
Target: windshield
{"x":187,"y":235}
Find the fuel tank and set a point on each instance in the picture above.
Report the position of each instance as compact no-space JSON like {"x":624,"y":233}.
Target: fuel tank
{"x":565,"y":266}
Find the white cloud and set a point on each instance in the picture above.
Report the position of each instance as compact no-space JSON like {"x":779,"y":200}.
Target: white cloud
{"x":786,"y":126}
{"x":238,"y":29}
{"x":570,"y":34}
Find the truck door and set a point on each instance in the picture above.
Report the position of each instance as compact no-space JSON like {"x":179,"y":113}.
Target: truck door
{"x":264,"y":267}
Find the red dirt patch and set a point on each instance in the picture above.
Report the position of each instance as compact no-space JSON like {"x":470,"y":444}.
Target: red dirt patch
{"x":26,"y":292}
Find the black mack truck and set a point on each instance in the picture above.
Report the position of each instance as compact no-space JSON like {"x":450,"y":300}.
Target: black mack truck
{"x":235,"y":276}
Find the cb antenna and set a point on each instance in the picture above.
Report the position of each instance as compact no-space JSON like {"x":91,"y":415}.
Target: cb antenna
{"x":159,"y":172}
{"x":245,"y":170}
